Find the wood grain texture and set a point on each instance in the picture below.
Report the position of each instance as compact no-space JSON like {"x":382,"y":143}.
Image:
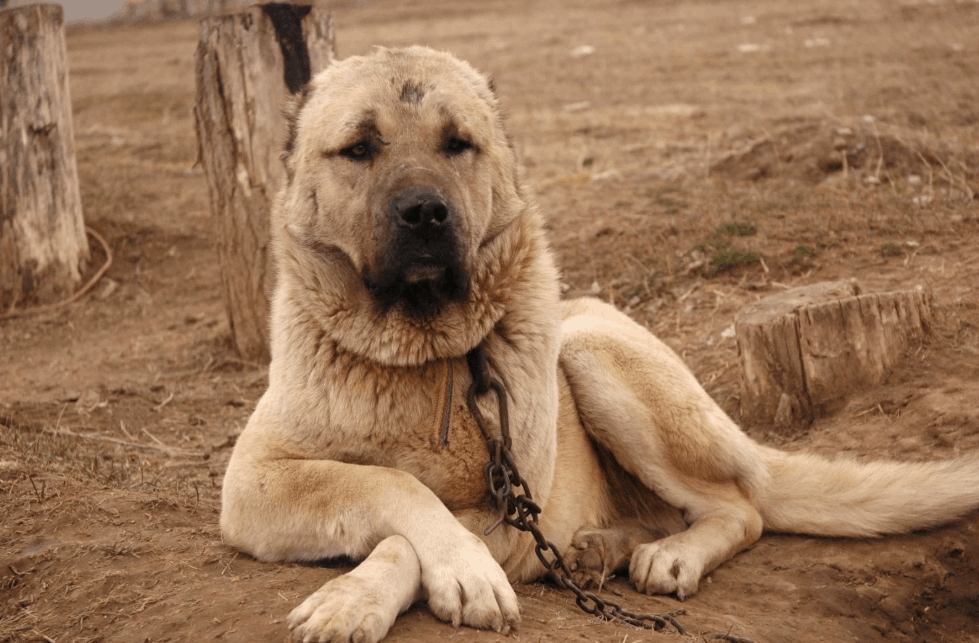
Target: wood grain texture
{"x":43,"y":247}
{"x":804,"y":350}
{"x":241,"y":129}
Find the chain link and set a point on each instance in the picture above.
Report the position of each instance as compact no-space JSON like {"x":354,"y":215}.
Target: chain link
{"x":521,"y":512}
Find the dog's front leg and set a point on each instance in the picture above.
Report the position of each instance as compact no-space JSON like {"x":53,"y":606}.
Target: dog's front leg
{"x":362,"y":604}
{"x":280,"y":508}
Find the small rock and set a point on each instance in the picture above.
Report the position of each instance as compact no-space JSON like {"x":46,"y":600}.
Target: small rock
{"x":577,"y":107}
{"x":815,"y":42}
{"x":751,"y":48}
{"x":565,"y":287}
{"x":728,"y":333}
{"x":914,"y":179}
{"x":110,"y":287}
{"x":595,"y":288}
{"x":607,"y":174}
{"x":894,"y":608}
{"x":88,"y":402}
{"x":582,"y":51}
{"x":922,"y":200}
{"x":870,"y":593}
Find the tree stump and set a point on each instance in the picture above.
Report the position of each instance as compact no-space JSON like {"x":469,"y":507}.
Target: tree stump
{"x":43,"y":247}
{"x":804,"y":350}
{"x":247,"y":63}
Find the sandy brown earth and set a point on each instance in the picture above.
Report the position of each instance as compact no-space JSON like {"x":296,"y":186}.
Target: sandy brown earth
{"x":683,"y":126}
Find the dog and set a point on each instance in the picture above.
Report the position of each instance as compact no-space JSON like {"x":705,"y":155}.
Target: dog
{"x":403,"y":239}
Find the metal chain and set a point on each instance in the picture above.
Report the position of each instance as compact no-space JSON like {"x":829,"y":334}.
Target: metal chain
{"x":521,"y":512}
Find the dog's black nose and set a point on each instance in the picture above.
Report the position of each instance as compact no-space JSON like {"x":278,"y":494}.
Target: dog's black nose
{"x":421,"y":210}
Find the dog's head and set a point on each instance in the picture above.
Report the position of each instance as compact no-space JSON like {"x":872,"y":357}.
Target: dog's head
{"x":403,"y":208}
{"x":399,"y":161}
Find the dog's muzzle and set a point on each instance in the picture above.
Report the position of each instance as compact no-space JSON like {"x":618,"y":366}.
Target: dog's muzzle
{"x":421,"y":218}
{"x":420,"y":265}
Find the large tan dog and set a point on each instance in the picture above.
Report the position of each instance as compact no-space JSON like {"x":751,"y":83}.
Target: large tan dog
{"x":403,"y":239}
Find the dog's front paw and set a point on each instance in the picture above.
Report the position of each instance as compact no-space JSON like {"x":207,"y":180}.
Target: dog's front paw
{"x":666,"y":567}
{"x":466,"y":586}
{"x":345,"y":609}
{"x":361,"y":606}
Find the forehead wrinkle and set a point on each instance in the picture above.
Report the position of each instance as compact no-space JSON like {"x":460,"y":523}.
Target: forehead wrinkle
{"x":359,"y":123}
{"x":460,"y":124}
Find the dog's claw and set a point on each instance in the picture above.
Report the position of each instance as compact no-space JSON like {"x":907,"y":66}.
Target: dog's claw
{"x":466,"y":586}
{"x":664,"y":567}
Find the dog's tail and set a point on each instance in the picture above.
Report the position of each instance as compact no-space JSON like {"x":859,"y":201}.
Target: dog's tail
{"x":812,"y":495}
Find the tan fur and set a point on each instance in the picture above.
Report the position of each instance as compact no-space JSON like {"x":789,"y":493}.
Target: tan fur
{"x":631,"y":460}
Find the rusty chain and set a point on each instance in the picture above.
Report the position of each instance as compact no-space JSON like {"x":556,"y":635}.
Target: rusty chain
{"x":521,"y":512}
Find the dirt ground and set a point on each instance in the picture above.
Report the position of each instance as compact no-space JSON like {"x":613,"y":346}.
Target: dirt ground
{"x":691,"y":157}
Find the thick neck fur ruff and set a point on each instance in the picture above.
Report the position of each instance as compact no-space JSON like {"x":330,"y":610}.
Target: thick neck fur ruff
{"x":510,"y":272}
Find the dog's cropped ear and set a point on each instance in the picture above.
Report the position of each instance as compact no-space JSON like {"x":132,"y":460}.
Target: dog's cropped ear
{"x":291,"y":110}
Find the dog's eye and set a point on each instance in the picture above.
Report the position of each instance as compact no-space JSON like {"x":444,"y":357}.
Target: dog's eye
{"x":456,"y":146}
{"x":360,"y":151}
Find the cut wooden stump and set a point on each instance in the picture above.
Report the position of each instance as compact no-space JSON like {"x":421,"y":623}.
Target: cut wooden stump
{"x":43,"y":247}
{"x":802,"y":351}
{"x":247,"y":64}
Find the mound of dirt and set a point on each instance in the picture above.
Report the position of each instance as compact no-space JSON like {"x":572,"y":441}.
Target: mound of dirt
{"x":814,"y":152}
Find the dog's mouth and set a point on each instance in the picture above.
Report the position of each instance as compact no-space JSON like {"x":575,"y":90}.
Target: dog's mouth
{"x":421,"y":286}
{"x":427,"y":269}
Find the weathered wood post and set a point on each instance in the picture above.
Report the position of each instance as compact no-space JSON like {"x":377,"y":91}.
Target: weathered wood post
{"x":247,"y":64}
{"x":43,"y":247}
{"x":804,"y":350}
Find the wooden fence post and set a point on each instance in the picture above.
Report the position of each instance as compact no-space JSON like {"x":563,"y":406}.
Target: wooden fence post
{"x":247,"y":63}
{"x":43,"y":247}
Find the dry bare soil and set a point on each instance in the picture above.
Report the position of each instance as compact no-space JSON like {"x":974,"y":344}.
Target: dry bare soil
{"x":698,"y":156}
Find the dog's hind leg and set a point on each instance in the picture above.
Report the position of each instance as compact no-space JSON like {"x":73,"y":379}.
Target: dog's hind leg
{"x":635,"y":516}
{"x":638,"y":400}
